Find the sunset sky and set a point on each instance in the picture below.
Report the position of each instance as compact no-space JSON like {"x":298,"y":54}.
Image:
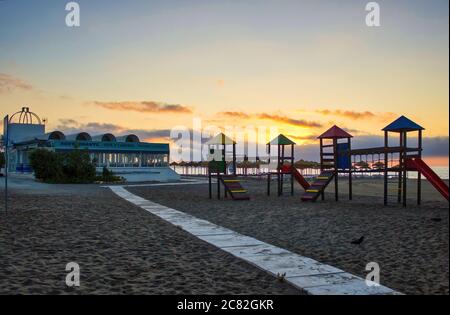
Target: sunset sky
{"x":147,"y":66}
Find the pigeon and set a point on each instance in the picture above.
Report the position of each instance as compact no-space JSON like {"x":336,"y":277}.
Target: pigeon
{"x":436,"y":219}
{"x":358,"y":241}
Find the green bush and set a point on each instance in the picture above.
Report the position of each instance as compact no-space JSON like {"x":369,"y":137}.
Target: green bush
{"x":108,"y":176}
{"x":47,"y":165}
{"x":55,"y":167}
{"x":77,"y":167}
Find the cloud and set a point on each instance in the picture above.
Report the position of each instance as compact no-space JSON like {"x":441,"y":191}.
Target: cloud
{"x":70,"y":126}
{"x":144,"y":107}
{"x":277,"y":118}
{"x":65,"y":97}
{"x":290,"y":121}
{"x":9,"y":84}
{"x":303,"y":138}
{"x":351,"y":114}
{"x":433,"y":146}
{"x":235,"y":114}
{"x":353,"y":131}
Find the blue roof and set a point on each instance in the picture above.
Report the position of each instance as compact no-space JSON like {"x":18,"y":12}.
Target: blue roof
{"x":403,"y":124}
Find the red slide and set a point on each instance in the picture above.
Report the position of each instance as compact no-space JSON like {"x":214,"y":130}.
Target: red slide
{"x":419,"y":165}
{"x":298,"y":177}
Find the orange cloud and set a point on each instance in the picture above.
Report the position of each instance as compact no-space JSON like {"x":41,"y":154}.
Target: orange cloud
{"x":303,"y":138}
{"x":145,"y":107}
{"x":71,"y":126}
{"x":235,"y":115}
{"x":9,"y":83}
{"x":346,"y":113}
{"x":276,"y":118}
{"x":354,"y":114}
{"x":290,"y":121}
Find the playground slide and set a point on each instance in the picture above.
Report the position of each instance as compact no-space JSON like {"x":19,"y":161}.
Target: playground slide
{"x":234,"y":188}
{"x":318,"y":186}
{"x":298,"y":177}
{"x":419,"y":165}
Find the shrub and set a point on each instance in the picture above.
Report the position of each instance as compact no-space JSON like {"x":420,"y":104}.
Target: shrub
{"x":47,"y":165}
{"x":77,"y":167}
{"x":54,"y":167}
{"x":108,"y":176}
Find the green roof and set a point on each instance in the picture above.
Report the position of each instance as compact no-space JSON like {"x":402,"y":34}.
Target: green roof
{"x":220,"y":139}
{"x":281,"y":140}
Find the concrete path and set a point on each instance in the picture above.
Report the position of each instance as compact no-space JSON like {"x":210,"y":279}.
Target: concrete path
{"x":301,"y":272}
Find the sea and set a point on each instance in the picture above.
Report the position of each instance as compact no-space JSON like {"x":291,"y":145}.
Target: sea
{"x":441,"y":171}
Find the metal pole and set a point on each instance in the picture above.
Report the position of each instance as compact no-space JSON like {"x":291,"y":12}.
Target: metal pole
{"x":400,"y":171}
{"x":278,"y":171}
{"x":336,"y":192}
{"x":281,"y":165}
{"x":405,"y":173}
{"x":386,"y":167}
{"x":419,"y":175}
{"x":210,"y":182}
{"x":268,"y":172}
{"x":6,"y":127}
{"x":292,"y":169}
{"x":350,"y":181}
{"x":322,"y":195}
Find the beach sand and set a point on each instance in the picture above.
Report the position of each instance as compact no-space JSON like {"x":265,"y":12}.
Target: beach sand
{"x":410,"y":247}
{"x":121,"y":249}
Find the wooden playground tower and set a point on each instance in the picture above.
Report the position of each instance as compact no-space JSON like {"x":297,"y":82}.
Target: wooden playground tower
{"x":338,"y":157}
{"x":338,"y":160}
{"x":218,"y":168}
{"x":335,"y":148}
{"x":283,"y":155}
{"x":402,"y":126}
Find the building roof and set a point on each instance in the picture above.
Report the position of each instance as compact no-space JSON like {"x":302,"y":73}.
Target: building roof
{"x":81,"y":136}
{"x":220,"y":139}
{"x":281,"y":140}
{"x":335,"y":133}
{"x":106,"y":137}
{"x":128,"y":138}
{"x":403,"y":124}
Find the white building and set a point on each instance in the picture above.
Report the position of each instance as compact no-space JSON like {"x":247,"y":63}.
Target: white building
{"x":125,"y":155}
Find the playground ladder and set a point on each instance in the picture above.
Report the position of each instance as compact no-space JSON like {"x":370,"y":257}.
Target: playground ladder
{"x":318,"y":186}
{"x":234,"y":187}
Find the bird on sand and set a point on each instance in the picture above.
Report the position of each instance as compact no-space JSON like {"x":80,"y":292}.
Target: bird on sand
{"x":358,"y":241}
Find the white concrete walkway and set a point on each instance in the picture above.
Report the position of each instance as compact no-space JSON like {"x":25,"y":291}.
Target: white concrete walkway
{"x":301,"y":272}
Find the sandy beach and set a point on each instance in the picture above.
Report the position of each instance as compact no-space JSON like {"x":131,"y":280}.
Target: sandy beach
{"x":409,"y":244}
{"x":121,"y":249}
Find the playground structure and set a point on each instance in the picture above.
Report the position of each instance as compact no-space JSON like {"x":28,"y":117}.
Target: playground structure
{"x":217,"y":167}
{"x":338,"y":160}
{"x":332,"y":162}
{"x":282,"y":168}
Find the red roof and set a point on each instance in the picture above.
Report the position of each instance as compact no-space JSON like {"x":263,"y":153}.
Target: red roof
{"x":335,"y":133}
